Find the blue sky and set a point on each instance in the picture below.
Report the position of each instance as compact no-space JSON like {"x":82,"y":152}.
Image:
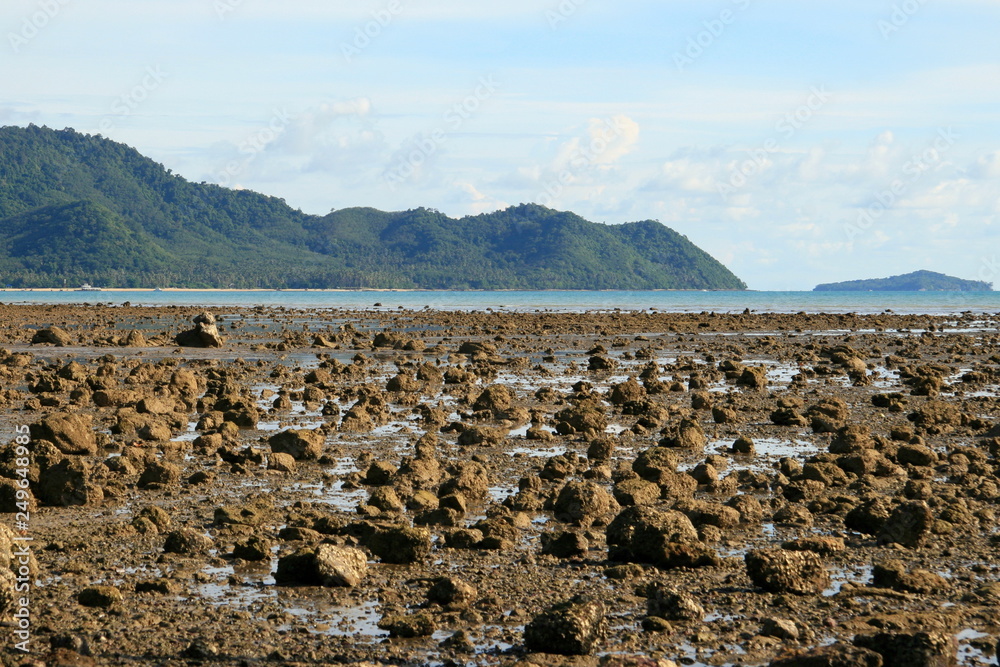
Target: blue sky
{"x":798,"y":142}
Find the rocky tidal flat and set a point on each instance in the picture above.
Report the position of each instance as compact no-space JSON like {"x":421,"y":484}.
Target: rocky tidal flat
{"x":279,"y":486}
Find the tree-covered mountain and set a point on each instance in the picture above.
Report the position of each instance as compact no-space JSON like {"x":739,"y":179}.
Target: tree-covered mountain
{"x":918,"y":281}
{"x":78,"y":208}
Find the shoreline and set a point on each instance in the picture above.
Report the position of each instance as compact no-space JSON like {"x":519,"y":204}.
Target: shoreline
{"x":348,"y":290}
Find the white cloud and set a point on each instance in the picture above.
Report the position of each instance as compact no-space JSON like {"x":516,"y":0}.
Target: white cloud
{"x":476,"y":201}
{"x":604,"y":142}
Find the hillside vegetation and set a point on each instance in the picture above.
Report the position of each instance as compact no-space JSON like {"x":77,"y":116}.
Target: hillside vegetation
{"x":78,"y":208}
{"x":918,"y":281}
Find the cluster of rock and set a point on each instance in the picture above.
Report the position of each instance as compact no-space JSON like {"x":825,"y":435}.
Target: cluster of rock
{"x":654,"y":503}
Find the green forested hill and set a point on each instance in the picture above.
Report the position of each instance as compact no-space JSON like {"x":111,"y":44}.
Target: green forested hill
{"x":918,"y":281}
{"x":77,"y":208}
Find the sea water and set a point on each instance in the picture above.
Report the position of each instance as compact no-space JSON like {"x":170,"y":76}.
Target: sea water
{"x":930,"y":303}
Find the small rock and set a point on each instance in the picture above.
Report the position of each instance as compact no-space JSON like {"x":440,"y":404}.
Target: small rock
{"x":564,"y":543}
{"x":836,"y":655}
{"x":666,"y":539}
{"x":452,"y":591}
{"x":407,"y":626}
{"x":669,"y":604}
{"x":781,"y":628}
{"x":253,"y":548}
{"x":99,"y":596}
{"x":187,"y":542}
{"x":281,"y":462}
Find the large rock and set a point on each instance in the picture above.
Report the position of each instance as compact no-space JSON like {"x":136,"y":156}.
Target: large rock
{"x":919,"y":649}
{"x":470,"y":479}
{"x":158,"y":474}
{"x":68,"y":483}
{"x":666,"y":539}
{"x":322,"y":565}
{"x":909,"y":524}
{"x":656,"y":464}
{"x":401,"y":544}
{"x":584,"y":504}
{"x":627,"y":391}
{"x":586,"y":417}
{"x":70,"y":433}
{"x":495,"y":398}
{"x":575,"y":627}
{"x":52,"y":336}
{"x":688,"y":434}
{"x":780,"y":571}
{"x":204,"y":334}
{"x":301,"y":444}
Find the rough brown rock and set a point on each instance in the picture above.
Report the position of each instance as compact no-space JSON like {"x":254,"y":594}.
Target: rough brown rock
{"x":919,"y":649}
{"x":300,"y":444}
{"x":71,"y":433}
{"x":836,"y":655}
{"x":779,"y":571}
{"x":575,"y":627}
{"x":323,"y":565}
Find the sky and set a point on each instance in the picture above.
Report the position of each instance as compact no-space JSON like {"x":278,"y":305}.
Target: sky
{"x":797,"y":141}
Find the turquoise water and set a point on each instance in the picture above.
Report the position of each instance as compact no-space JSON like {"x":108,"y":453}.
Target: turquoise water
{"x":564,"y":301}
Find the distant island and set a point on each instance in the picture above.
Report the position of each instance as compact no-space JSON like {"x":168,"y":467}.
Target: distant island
{"x":78,"y":208}
{"x":918,"y":281}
